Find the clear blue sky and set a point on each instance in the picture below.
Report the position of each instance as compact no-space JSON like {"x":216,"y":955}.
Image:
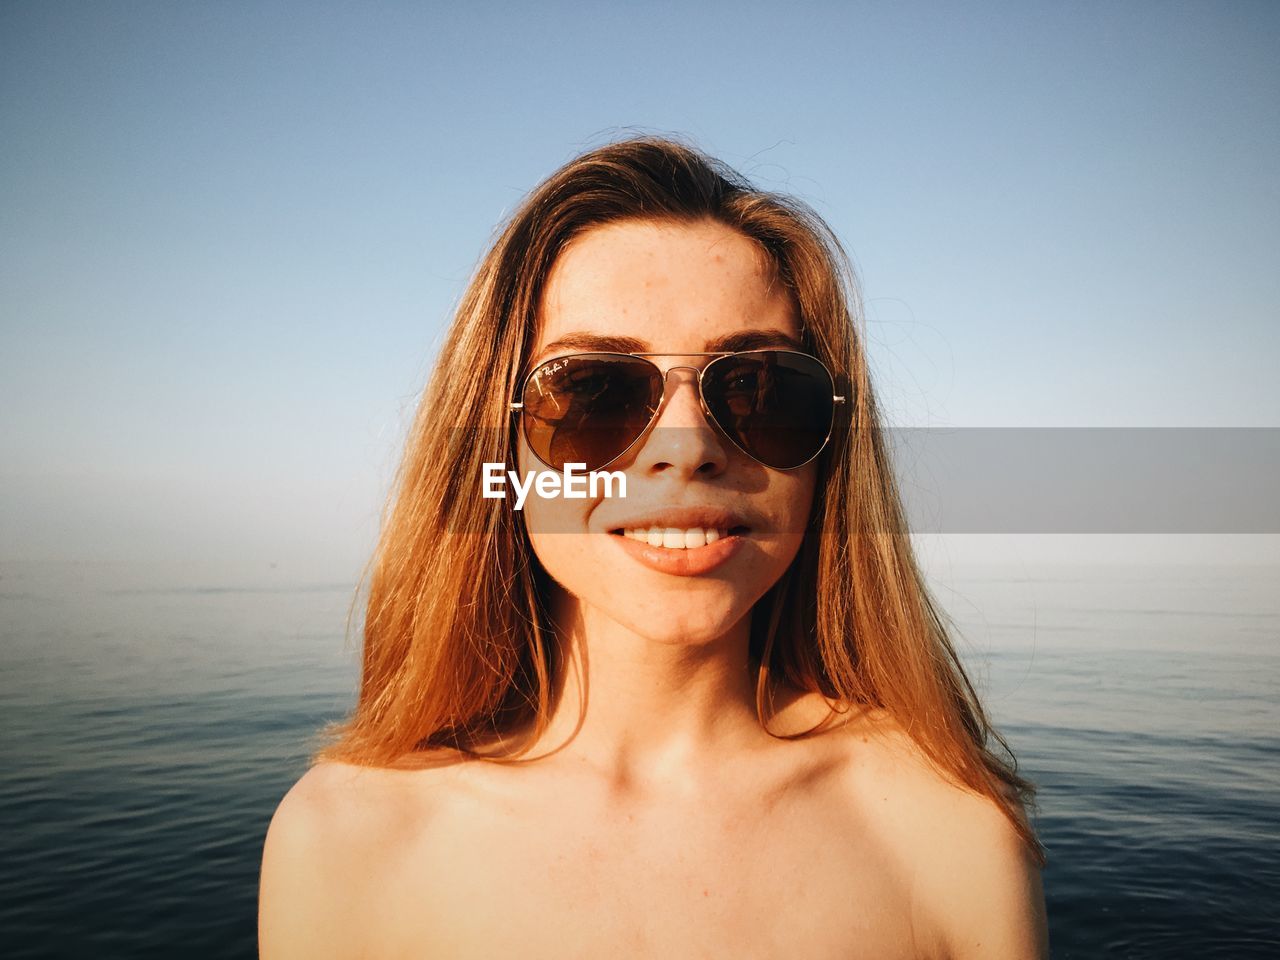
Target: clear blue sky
{"x":231,"y":233}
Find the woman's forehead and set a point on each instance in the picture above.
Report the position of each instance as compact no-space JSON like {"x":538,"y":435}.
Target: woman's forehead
{"x":671,"y":286}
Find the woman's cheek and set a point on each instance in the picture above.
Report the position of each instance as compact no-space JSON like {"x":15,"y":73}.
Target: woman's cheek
{"x":557,"y":528}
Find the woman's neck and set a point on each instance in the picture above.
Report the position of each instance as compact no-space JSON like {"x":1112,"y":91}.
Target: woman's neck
{"x":640,"y":710}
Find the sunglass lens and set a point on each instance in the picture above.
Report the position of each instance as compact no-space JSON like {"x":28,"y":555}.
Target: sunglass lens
{"x":776,"y":406}
{"x":588,"y":408}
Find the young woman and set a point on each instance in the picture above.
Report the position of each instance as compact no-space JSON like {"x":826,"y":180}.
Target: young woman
{"x":718,"y":716}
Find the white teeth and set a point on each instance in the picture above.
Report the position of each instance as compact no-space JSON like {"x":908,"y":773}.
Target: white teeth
{"x":673,"y":538}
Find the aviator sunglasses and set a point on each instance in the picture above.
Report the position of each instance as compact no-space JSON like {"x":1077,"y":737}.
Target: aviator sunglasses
{"x":776,"y":406}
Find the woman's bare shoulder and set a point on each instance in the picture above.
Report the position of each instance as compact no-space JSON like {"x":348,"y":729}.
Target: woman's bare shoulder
{"x":328,"y":832}
{"x":333,"y":801}
{"x":977,"y":886}
{"x":349,"y":797}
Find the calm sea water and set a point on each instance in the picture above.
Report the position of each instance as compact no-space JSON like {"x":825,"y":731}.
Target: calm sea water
{"x":149,"y":731}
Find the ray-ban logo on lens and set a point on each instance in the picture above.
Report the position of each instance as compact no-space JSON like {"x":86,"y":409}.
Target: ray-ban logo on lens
{"x":573,"y":484}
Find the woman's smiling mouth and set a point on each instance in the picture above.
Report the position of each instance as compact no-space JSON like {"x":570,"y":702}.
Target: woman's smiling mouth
{"x":674,"y":538}
{"x":683,"y":543}
{"x":682,"y":560}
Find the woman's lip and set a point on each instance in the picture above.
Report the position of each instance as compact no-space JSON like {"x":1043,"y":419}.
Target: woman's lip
{"x":682,"y":563}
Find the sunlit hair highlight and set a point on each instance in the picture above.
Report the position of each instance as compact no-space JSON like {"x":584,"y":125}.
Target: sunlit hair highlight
{"x":458,"y":648}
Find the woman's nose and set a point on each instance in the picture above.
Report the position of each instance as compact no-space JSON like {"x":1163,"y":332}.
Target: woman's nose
{"x":682,"y":440}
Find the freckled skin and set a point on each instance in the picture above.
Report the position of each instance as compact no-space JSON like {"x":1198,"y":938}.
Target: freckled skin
{"x":675,"y":289}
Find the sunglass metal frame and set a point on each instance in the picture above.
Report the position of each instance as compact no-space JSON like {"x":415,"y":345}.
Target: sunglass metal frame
{"x":517,"y":406}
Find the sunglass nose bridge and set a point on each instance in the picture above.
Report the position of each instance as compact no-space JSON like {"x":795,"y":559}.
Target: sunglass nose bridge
{"x":695,"y":385}
{"x":666,"y":375}
{"x":695,"y":380}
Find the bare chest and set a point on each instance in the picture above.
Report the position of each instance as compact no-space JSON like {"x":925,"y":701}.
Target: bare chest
{"x":686,"y":880}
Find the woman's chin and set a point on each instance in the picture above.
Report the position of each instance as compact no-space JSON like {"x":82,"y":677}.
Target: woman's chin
{"x":681,"y":629}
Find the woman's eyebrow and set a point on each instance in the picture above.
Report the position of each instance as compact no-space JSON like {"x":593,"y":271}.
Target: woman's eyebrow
{"x":592,"y":343}
{"x":754,"y":340}
{"x":586,"y":341}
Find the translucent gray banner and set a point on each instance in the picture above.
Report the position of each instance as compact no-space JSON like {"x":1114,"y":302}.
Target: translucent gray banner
{"x":966,"y":480}
{"x":1089,"y":479}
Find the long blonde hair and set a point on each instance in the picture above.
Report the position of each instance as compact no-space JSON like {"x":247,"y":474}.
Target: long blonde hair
{"x":458,"y":647}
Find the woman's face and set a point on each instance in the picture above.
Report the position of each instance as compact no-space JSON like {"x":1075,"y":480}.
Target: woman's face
{"x":642,"y":286}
